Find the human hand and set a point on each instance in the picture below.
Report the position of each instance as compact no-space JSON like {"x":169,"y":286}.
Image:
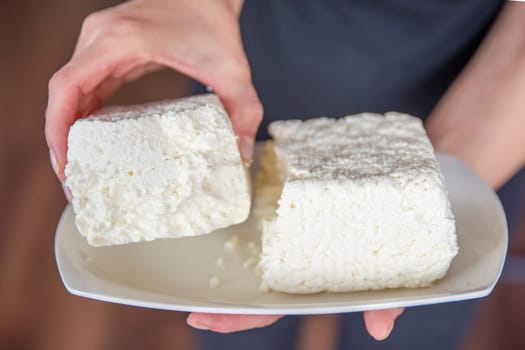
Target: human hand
{"x":379,"y":323}
{"x":198,"y":38}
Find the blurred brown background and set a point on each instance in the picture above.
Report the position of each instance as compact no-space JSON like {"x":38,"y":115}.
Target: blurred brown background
{"x":36,"y":312}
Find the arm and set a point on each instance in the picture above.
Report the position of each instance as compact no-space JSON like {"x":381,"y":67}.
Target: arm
{"x":481,"y":118}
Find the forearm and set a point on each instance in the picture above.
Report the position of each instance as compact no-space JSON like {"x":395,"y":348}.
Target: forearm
{"x":481,"y":118}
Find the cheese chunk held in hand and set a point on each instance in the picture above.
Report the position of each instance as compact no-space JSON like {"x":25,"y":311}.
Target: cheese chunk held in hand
{"x":352,"y":204}
{"x":168,"y":169}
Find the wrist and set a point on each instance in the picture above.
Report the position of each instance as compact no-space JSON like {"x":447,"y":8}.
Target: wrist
{"x":493,"y":150}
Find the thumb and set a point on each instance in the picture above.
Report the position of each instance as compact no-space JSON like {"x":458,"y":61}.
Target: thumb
{"x":379,"y":323}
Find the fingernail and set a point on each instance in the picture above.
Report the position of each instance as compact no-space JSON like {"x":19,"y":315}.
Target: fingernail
{"x":387,"y":333}
{"x":199,"y":326}
{"x":53,"y":160}
{"x":246,"y":147}
{"x":196,"y":324}
{"x":67,"y":192}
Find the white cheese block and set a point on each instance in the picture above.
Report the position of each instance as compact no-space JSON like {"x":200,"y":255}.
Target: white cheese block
{"x":358,"y":203}
{"x":168,"y":169}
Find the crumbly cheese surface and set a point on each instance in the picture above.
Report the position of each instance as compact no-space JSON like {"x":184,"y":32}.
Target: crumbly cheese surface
{"x":168,"y":169}
{"x":353,"y":204}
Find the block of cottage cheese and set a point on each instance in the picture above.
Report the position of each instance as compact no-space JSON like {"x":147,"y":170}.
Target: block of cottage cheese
{"x":352,"y":204}
{"x":168,"y":169}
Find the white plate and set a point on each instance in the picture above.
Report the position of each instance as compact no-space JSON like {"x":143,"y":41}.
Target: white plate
{"x":175,"y":274}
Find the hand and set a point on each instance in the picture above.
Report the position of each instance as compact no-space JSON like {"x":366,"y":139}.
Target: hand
{"x":378,"y":323}
{"x":119,"y":44}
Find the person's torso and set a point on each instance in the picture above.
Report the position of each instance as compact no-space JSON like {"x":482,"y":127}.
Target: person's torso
{"x":332,"y":58}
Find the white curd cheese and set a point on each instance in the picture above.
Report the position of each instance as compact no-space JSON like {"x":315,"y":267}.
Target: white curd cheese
{"x":168,"y":169}
{"x":352,"y":204}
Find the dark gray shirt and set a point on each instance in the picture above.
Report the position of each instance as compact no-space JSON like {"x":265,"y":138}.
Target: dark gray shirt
{"x":334,"y":57}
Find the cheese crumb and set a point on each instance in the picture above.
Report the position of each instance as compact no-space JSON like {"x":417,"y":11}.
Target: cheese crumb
{"x":253,"y":248}
{"x":214,"y":282}
{"x":233,"y":243}
{"x":250,"y":262}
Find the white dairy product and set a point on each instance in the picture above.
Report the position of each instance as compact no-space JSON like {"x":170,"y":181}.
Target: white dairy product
{"x":233,"y":243}
{"x":251,"y":262}
{"x":168,"y":169}
{"x":214,"y":282}
{"x":220,"y":262}
{"x":352,"y":204}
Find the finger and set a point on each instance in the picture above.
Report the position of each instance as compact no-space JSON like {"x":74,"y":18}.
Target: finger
{"x":68,"y":86}
{"x":62,"y":108}
{"x":380,"y":323}
{"x":232,"y":83}
{"x":127,"y":74}
{"x":246,"y":112}
{"x":229,"y":323}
